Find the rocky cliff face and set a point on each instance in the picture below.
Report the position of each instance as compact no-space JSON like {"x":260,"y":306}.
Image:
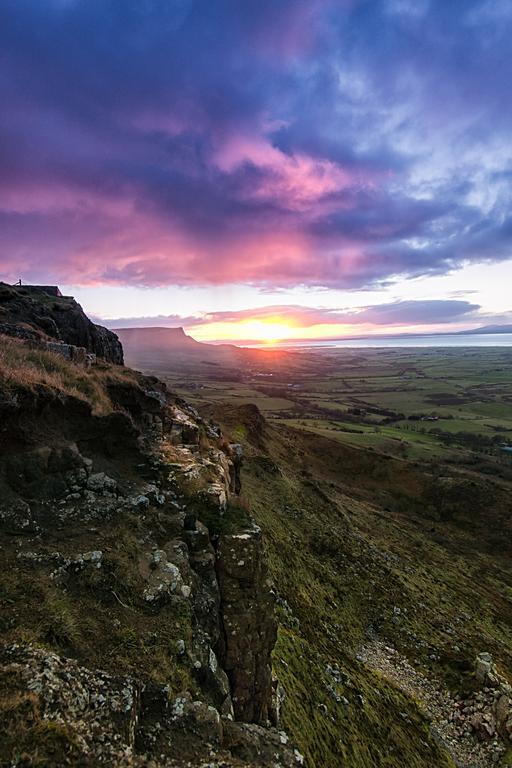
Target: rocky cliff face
{"x":137,"y":616}
{"x":249,"y":629}
{"x":28,"y":315}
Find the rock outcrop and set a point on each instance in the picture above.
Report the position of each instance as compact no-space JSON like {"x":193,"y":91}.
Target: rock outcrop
{"x":249,"y":628}
{"x":143,"y":576}
{"x":488,"y":713}
{"x":40,"y":316}
{"x":101,"y":719}
{"x":99,"y":710}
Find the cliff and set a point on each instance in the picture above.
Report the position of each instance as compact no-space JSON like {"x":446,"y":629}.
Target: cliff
{"x":147,"y":348}
{"x":137,"y":615}
{"x":37,"y":315}
{"x":149,"y":558}
{"x":156,"y":338}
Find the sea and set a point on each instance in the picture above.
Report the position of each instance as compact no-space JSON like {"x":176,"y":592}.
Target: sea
{"x":438,"y":340}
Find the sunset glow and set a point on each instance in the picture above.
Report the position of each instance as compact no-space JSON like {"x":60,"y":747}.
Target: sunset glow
{"x":234,"y":157}
{"x":251,"y":330}
{"x":262,"y":332}
{"x":256,"y":383}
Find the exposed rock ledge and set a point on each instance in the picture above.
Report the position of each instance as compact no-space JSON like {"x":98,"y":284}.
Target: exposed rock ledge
{"x":118,"y":721}
{"x":187,"y":558}
{"x":37,"y":316}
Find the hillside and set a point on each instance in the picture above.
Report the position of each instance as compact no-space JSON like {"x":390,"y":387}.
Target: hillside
{"x":191,"y":587}
{"x":163,"y":350}
{"x":507,"y":328}
{"x":125,"y":556}
{"x":386,"y":604}
{"x":146,"y":347}
{"x":159,"y":338}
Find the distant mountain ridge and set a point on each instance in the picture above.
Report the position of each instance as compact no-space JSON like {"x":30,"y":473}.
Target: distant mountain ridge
{"x":141,"y":343}
{"x":160,"y":349}
{"x":155,"y":336}
{"x":146,"y":348}
{"x":173,"y":337}
{"x":507,"y":328}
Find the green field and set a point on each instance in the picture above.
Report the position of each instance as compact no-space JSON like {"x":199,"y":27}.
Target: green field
{"x":410,"y":403}
{"x":381,"y":485}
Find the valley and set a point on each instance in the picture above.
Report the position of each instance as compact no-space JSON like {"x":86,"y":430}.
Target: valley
{"x":425,"y":404}
{"x":380,"y":479}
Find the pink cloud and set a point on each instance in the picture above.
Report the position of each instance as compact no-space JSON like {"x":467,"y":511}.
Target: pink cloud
{"x":391,"y":314}
{"x":297,"y":181}
{"x":271,"y":142}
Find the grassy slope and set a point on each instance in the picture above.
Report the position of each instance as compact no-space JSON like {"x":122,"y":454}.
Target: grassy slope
{"x":100,"y":618}
{"x":97,"y":620}
{"x":349,"y":541}
{"x":320,"y":572}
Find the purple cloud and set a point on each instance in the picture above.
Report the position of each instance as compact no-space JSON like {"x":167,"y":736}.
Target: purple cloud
{"x":312,"y":142}
{"x":427,"y":312}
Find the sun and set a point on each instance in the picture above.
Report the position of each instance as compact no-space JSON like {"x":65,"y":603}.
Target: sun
{"x":257,"y":331}
{"x":268,"y":332}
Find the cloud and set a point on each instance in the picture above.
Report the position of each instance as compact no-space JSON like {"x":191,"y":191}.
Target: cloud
{"x":397,"y":313}
{"x":306,"y":142}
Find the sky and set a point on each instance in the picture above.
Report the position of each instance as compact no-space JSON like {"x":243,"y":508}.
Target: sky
{"x":261,"y":169}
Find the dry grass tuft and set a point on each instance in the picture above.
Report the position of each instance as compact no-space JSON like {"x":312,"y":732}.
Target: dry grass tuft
{"x":27,"y":369}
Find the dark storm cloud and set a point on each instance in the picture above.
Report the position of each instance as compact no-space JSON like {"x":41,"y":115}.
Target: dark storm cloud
{"x":312,"y":142}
